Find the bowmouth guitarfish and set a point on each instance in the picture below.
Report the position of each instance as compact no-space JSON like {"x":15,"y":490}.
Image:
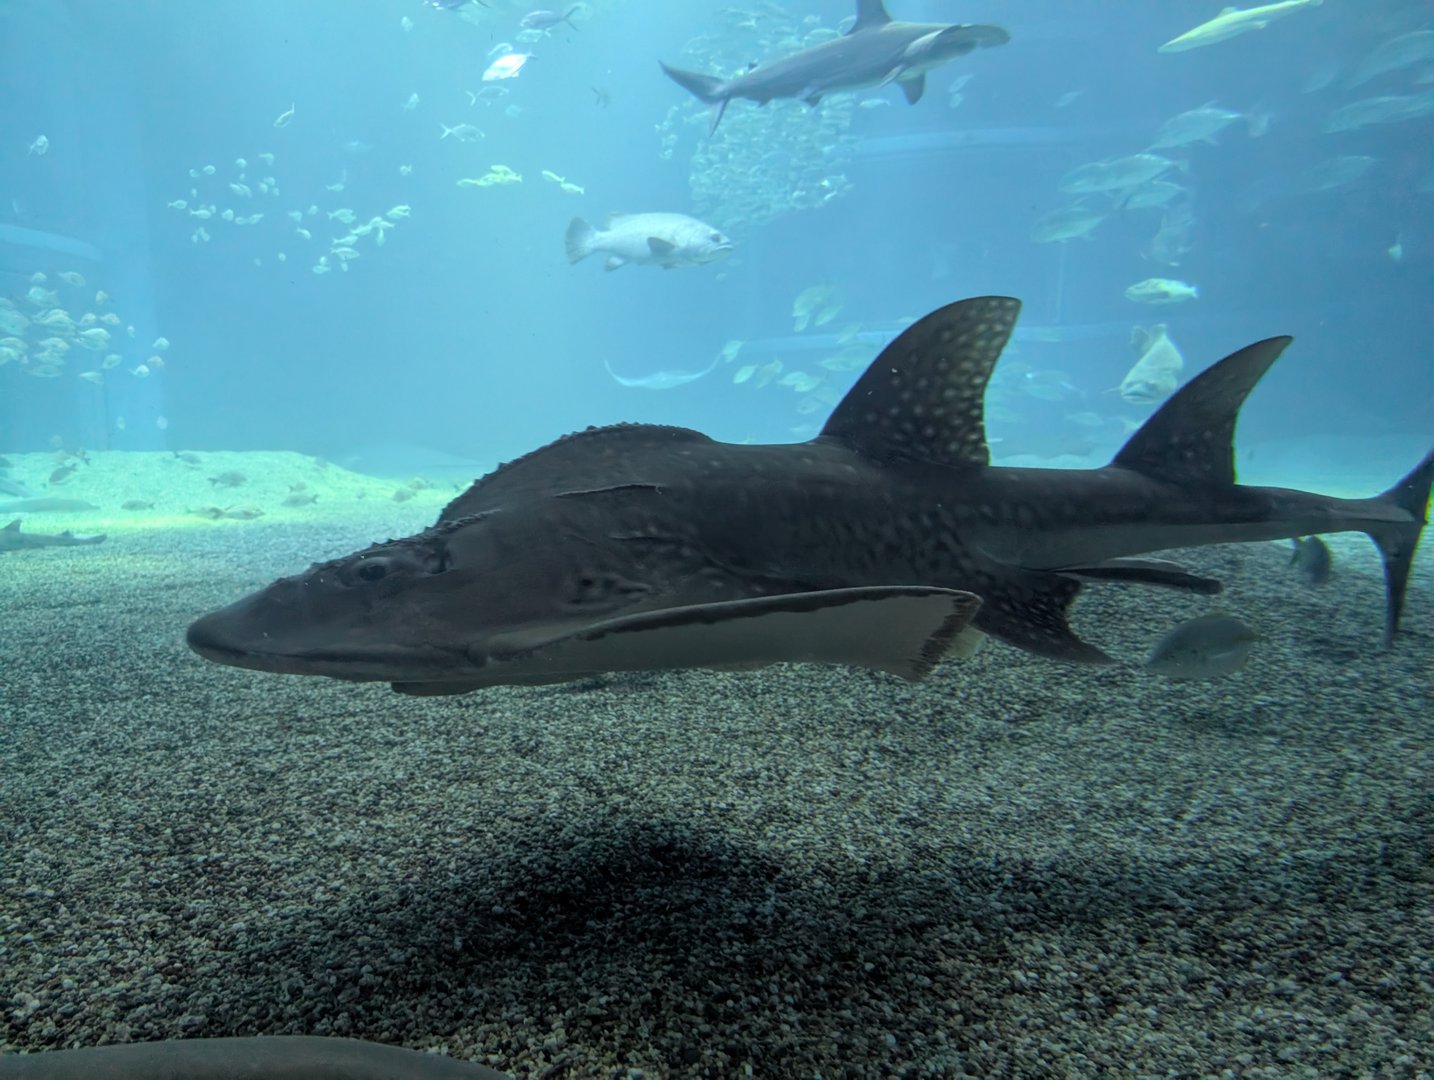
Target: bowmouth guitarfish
{"x":878,"y":543}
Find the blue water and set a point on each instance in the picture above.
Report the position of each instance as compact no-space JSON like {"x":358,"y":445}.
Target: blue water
{"x":468,"y":332}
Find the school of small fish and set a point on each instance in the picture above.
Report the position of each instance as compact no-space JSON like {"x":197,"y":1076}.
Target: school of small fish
{"x":61,"y":323}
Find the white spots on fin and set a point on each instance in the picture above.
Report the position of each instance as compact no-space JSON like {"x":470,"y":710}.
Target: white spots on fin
{"x":923,"y":398}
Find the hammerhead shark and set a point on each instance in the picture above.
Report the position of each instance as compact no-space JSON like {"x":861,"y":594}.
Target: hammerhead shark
{"x":876,"y":51}
{"x":885,"y":542}
{"x":12,"y":539}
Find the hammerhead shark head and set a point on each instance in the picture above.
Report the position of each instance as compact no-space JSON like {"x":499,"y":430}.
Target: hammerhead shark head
{"x":876,"y":51}
{"x":884,"y":542}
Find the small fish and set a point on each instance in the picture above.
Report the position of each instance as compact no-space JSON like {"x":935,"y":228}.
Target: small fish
{"x":1067,"y":223}
{"x":1162,"y":291}
{"x":506,"y":66}
{"x":299,"y":499}
{"x":808,"y":302}
{"x":63,"y":473}
{"x":230,"y":479}
{"x":40,"y":147}
{"x":70,"y":277}
{"x":177,"y":204}
{"x":1202,"y":125}
{"x":412,"y":102}
{"x":545,"y":20}
{"x":1412,"y":48}
{"x":1385,"y":109}
{"x":402,"y":210}
{"x":284,"y":118}
{"x":462,"y":132}
{"x":1207,"y":647}
{"x":1311,"y":559}
{"x":160,"y":344}
{"x":1153,"y":194}
{"x":1115,"y":174}
{"x":136,"y":504}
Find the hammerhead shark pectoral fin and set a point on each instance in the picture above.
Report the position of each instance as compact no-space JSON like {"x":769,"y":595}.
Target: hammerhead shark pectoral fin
{"x":902,"y":629}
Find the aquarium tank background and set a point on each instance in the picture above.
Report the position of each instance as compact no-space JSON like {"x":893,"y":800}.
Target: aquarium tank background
{"x":280,"y":279}
{"x":467,"y":332}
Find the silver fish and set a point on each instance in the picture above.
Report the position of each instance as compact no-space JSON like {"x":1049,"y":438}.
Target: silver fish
{"x":1208,"y":647}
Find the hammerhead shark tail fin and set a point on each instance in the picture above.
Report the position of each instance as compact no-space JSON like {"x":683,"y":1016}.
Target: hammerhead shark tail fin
{"x":1398,"y":540}
{"x":705,"y":88}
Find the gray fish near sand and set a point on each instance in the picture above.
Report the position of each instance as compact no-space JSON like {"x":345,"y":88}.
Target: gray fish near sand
{"x":877,"y":50}
{"x":12,"y":539}
{"x":1311,"y":560}
{"x":641,"y":547}
{"x":1208,"y":647}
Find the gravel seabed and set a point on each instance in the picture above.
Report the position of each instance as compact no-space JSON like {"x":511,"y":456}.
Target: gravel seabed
{"x":1015,"y":868}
